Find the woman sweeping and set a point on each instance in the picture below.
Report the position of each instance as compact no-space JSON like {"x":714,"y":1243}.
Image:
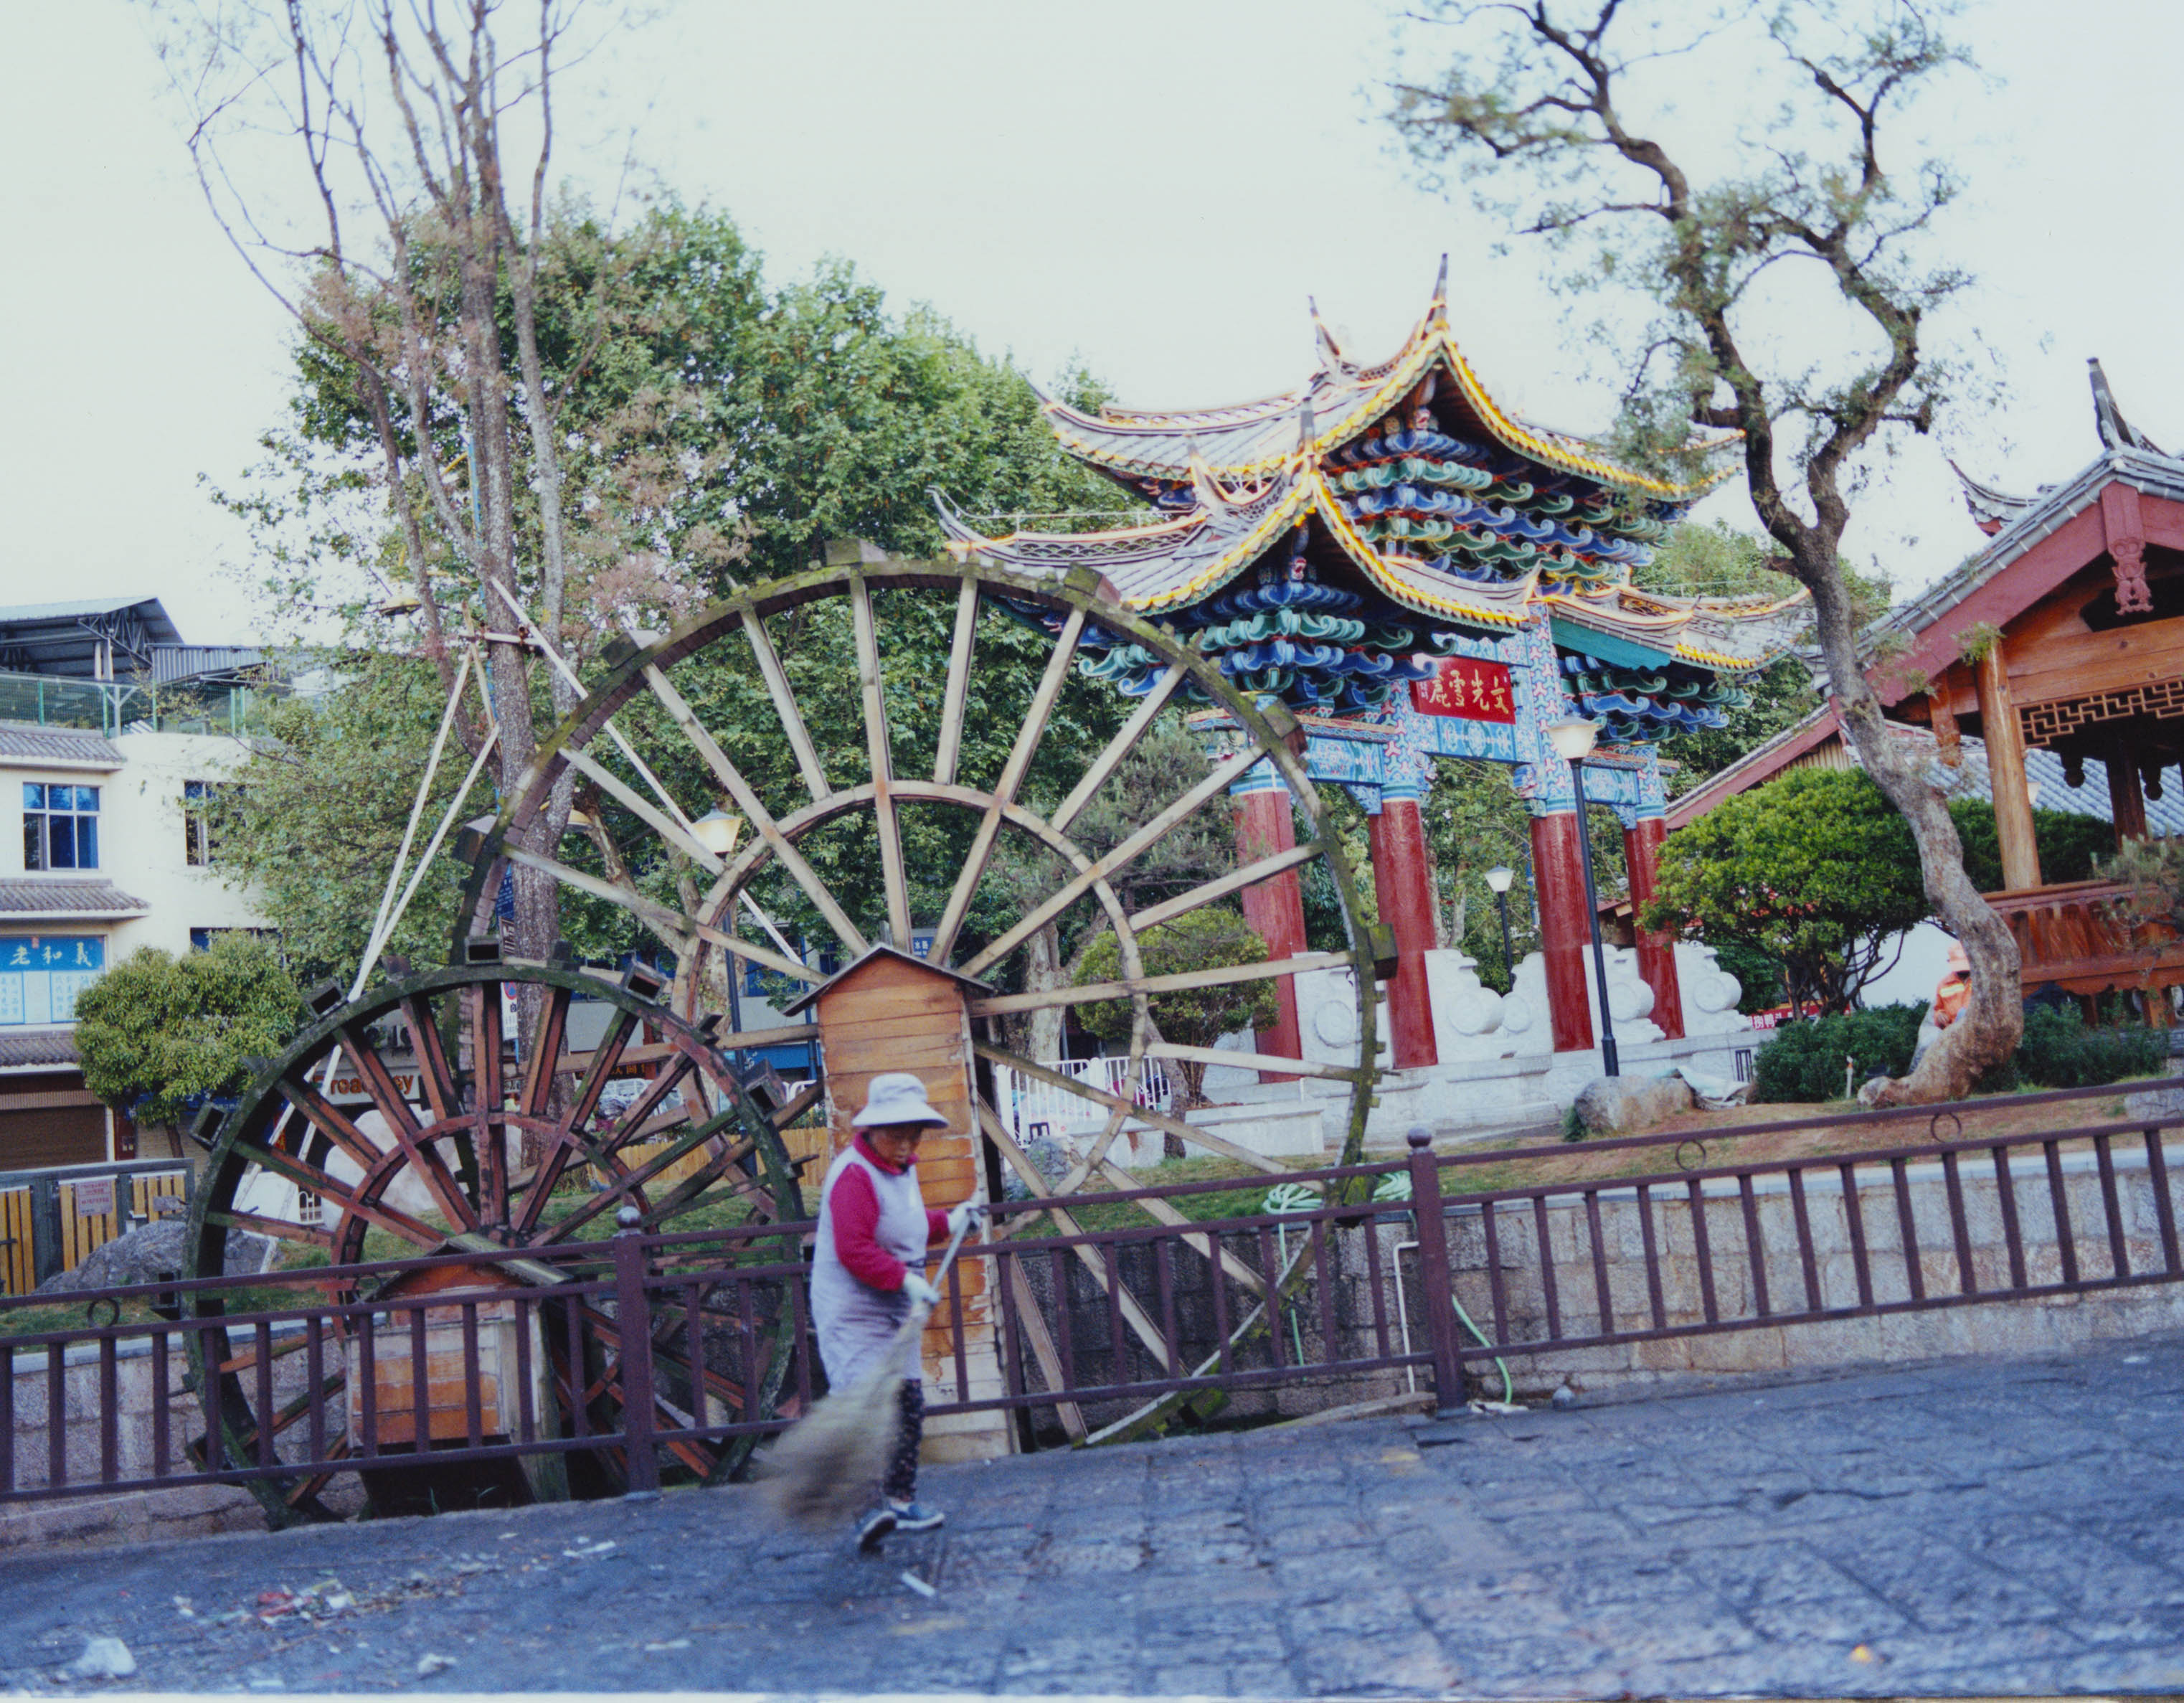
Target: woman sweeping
{"x":867,"y":1273}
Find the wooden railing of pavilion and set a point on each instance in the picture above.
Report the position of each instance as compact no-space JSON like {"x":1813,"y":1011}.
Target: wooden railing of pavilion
{"x":2092,"y":937}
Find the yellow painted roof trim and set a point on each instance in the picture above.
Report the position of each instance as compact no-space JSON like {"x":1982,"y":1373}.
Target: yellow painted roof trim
{"x":1430,"y":340}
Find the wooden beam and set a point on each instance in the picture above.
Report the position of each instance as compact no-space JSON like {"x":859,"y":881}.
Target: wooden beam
{"x":1001,"y":1005}
{"x":2005,"y":766}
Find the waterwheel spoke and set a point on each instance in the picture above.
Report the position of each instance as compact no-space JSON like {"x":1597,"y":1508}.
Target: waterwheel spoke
{"x":331,"y":1189}
{"x":1005,"y":1004}
{"x":1165,"y":1122}
{"x":1124,"y":742}
{"x":285,"y":1229}
{"x":959,"y":683}
{"x":670,"y":925}
{"x":320,"y":1115}
{"x":546,"y":1053}
{"x":666,"y":826}
{"x":1021,"y":753}
{"x":760,"y":818}
{"x":1140,"y":1322}
{"x":402,"y":1124}
{"x":1234,"y":882}
{"x":879,"y":758}
{"x":1216,"y":782}
{"x":620,"y":1184}
{"x":605,"y":1058}
{"x":490,"y":1098}
{"x":434,"y":1074}
{"x":705,"y":1177}
{"x":784,"y":704}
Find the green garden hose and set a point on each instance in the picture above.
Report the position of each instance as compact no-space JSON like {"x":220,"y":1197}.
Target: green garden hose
{"x":1396,"y":1186}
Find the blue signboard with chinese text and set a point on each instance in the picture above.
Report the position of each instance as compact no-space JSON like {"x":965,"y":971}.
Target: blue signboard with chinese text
{"x":41,"y":975}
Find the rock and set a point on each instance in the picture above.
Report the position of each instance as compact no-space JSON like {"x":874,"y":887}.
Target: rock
{"x":428,"y":1665}
{"x":1564,"y":1396}
{"x":104,"y":1658}
{"x":2155,"y":1105}
{"x":1625,"y":1105}
{"x":148,"y":1254}
{"x":1048,"y":1158}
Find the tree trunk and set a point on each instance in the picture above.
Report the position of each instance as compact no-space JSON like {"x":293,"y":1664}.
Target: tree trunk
{"x":1993,"y":1018}
{"x":1044,"y":972}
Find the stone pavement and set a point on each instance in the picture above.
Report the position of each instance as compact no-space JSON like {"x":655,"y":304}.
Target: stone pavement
{"x":1987,"y":1527}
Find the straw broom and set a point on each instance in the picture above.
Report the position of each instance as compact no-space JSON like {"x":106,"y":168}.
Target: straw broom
{"x":824,"y":1470}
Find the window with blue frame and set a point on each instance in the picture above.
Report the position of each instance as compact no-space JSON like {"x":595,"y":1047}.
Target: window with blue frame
{"x":60,"y":826}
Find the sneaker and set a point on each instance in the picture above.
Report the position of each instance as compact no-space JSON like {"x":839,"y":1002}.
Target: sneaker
{"x":873,"y":1530}
{"x":914,"y":1517}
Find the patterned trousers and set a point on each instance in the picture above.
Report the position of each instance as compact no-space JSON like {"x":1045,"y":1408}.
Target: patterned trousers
{"x":900,"y":1482}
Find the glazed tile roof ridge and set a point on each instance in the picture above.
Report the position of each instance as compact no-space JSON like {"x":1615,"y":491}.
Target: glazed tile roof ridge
{"x":1343,"y":399}
{"x":24,"y":742}
{"x":36,"y":896}
{"x":1174,"y":563}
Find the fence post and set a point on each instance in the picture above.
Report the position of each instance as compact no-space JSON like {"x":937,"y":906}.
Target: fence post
{"x":1433,"y":1274}
{"x":45,"y":1229}
{"x":633,"y":1324}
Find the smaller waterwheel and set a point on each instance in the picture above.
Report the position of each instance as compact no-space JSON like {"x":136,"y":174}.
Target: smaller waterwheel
{"x":436,"y":1134}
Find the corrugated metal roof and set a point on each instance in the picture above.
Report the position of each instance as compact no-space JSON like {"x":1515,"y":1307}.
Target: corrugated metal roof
{"x":56,"y":745}
{"x":172,"y":662}
{"x":46,"y":1047}
{"x":33,"y":896}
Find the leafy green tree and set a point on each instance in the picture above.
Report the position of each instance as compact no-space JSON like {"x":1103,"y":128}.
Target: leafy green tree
{"x":1813,"y":870}
{"x":1213,"y":937}
{"x":1726,"y":241}
{"x":712,"y":425}
{"x":160,"y":1034}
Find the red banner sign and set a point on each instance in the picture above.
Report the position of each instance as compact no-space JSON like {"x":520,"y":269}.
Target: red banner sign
{"x":1478,"y":691}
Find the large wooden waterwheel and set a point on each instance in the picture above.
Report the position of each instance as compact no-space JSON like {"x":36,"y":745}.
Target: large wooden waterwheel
{"x":946,"y":809}
{"x":894,"y":835}
{"x":430,"y":1136}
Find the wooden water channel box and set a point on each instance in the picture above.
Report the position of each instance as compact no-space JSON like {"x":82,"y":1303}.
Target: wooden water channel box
{"x":500,"y":1364}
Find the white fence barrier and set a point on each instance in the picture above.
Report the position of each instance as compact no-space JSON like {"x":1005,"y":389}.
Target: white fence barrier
{"x":1034,"y":1108}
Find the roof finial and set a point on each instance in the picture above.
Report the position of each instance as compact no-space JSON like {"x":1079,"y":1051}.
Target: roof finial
{"x":1307,"y":428}
{"x":1330,"y":351}
{"x":2116,"y":432}
{"x":1437,"y":310}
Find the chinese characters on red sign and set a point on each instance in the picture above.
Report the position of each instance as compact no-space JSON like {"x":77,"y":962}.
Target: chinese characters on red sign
{"x":1466,"y":687}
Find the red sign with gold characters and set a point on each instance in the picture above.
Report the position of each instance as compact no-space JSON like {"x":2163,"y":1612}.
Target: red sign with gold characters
{"x":1478,"y":691}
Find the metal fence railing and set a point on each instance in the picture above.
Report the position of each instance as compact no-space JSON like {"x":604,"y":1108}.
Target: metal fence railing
{"x":647,"y":1356}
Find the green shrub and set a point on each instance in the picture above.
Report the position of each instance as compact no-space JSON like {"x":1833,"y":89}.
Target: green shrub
{"x":2059,"y":1052}
{"x":1804,"y":1061}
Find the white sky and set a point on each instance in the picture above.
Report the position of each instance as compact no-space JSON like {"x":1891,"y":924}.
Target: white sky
{"x":1152,"y":185}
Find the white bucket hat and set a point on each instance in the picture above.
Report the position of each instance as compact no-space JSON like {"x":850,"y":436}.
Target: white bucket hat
{"x":897,"y":1096}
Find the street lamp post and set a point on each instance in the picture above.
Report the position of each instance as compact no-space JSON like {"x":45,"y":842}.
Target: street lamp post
{"x":1499,"y":878}
{"x":1573,"y":743}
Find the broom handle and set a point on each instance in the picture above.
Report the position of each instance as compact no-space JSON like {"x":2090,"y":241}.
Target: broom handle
{"x":911,"y":1333}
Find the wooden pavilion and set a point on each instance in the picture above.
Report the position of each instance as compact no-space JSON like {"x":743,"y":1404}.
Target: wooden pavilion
{"x":2065,"y":634}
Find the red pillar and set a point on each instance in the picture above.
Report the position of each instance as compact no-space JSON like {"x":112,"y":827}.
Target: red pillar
{"x":1275,"y":907}
{"x":1565,"y":931}
{"x":1656,"y":953}
{"x":1404,"y":882}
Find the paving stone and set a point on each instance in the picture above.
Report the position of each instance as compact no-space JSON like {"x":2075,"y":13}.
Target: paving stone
{"x":1979,"y":1528}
